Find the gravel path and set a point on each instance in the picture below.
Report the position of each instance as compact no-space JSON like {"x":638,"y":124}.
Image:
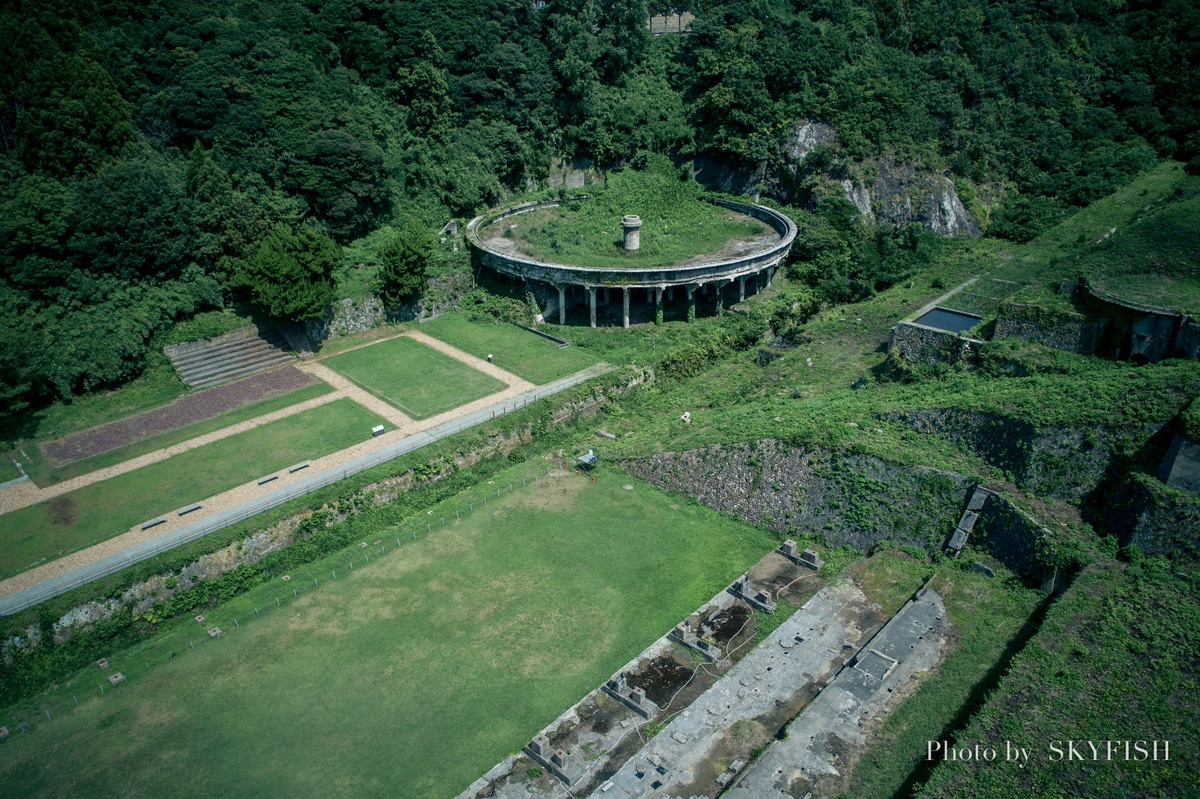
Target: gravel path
{"x":14,"y":500}
{"x":14,"y":497}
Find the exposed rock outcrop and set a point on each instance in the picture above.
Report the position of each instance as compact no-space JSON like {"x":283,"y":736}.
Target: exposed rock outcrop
{"x":893,"y":193}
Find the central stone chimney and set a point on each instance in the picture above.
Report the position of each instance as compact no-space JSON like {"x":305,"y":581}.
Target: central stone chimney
{"x":633,"y":237}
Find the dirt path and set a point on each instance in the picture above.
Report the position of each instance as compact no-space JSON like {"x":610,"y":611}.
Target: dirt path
{"x":478,"y":364}
{"x":345,"y":388}
{"x":30,"y":494}
{"x":24,"y":494}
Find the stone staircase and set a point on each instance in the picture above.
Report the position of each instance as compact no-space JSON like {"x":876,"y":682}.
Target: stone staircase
{"x":967,"y":523}
{"x":239,"y":353}
{"x":297,"y":339}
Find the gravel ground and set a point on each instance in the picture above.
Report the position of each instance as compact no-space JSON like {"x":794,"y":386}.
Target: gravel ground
{"x":180,"y":413}
{"x":11,"y":499}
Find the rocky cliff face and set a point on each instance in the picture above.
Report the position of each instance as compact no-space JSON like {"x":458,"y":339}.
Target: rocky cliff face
{"x":894,"y":194}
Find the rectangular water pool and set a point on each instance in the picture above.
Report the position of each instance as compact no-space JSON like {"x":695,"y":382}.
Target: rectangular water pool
{"x":951,"y":321}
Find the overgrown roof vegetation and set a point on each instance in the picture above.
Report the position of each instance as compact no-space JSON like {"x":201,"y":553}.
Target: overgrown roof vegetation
{"x":677,"y":225}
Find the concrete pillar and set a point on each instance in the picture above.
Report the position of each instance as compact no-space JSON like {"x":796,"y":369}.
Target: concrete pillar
{"x":670,"y":293}
{"x":632,"y":224}
{"x":658,"y":306}
{"x":691,"y":302}
{"x":721,"y":296}
{"x":591,"y":290}
{"x":741,"y":288}
{"x":769,"y":273}
{"x":562,"y":306}
{"x":625,"y":307}
{"x":606,"y":295}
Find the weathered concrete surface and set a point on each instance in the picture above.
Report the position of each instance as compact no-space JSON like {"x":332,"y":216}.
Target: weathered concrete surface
{"x":827,"y":739}
{"x":760,"y":693}
{"x":1180,"y":468}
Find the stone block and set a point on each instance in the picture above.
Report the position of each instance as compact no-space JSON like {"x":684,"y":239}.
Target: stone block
{"x":117,"y":678}
{"x":811,"y":559}
{"x":102,"y":663}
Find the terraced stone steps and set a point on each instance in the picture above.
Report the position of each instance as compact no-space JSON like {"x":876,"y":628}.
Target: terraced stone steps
{"x":230,"y":356}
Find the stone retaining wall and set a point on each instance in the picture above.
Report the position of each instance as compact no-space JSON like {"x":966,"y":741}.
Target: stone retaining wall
{"x":847,"y":498}
{"x":1073,"y":333}
{"x":928,"y":345}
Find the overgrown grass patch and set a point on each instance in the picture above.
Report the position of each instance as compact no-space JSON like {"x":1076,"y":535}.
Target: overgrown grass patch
{"x":102,"y":510}
{"x":521,"y":352}
{"x":8,"y":469}
{"x":43,"y":473}
{"x":411,"y":675}
{"x":1115,"y":660}
{"x":676,"y":223}
{"x":416,"y":379}
{"x":988,"y":615}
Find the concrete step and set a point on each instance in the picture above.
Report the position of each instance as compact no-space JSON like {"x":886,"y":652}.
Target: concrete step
{"x":236,"y":374}
{"x":297,"y":339}
{"x":241,"y":353}
{"x":234,"y":360}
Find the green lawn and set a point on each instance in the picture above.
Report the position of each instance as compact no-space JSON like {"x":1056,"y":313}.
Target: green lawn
{"x":43,"y":473}
{"x":1115,"y":659}
{"x":409,"y":676}
{"x":8,"y":470}
{"x":676,"y":223}
{"x":1150,"y":219}
{"x":416,"y":379}
{"x":525,"y":354}
{"x":97,"y":512}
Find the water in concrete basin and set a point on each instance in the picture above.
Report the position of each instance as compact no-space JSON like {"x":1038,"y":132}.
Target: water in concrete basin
{"x":951,"y":321}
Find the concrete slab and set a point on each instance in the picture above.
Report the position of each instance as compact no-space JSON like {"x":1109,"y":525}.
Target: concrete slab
{"x":758,"y":695}
{"x":826,"y":740}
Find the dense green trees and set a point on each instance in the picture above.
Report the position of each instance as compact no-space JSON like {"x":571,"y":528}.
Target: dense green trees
{"x":403,"y":259}
{"x":148,"y":152}
{"x":290,"y":276}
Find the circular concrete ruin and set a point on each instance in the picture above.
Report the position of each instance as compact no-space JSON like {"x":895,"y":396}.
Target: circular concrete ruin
{"x":580,"y":284}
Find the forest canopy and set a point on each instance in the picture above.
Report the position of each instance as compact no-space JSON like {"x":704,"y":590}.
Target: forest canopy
{"x":154,"y":154}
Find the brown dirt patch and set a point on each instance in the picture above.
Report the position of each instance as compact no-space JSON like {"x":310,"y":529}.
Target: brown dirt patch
{"x":555,"y":493}
{"x":62,"y":511}
{"x":180,"y":413}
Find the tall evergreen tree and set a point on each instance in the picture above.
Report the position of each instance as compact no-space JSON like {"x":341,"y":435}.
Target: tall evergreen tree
{"x":291,"y":275}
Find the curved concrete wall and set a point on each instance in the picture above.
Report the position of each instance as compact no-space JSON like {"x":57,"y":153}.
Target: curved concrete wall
{"x":515,"y":265}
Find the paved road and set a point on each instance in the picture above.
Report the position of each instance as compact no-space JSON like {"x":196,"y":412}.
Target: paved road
{"x":84,"y":574}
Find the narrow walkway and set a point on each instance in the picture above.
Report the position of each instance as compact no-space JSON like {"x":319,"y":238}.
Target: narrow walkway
{"x":241,"y":502}
{"x":346,"y":388}
{"x":478,"y":364}
{"x":27,"y":493}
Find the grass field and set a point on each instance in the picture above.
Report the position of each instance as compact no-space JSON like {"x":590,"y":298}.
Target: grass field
{"x":8,"y":470}
{"x":988,"y":616}
{"x":409,"y":676}
{"x":99,"y":511}
{"x":525,"y":354}
{"x":416,"y":379}
{"x":1146,"y":215}
{"x":1114,"y":660}
{"x":43,"y":473}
